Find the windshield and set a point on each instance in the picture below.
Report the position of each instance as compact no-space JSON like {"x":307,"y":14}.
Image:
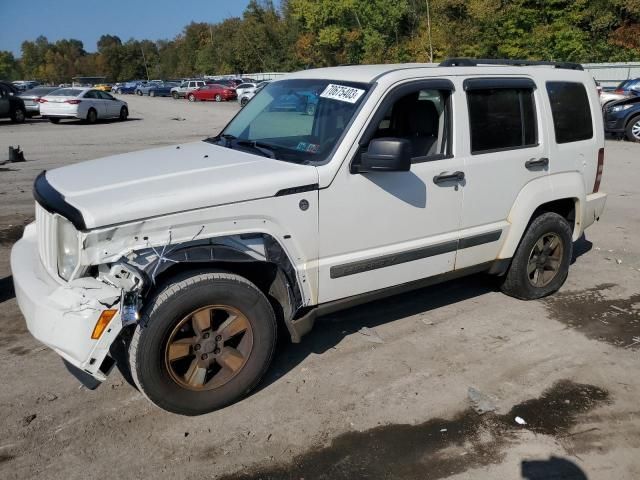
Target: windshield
{"x":294,"y":120}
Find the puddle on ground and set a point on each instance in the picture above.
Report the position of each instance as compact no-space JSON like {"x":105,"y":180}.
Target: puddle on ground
{"x":10,"y":234}
{"x":437,"y":448}
{"x":612,"y":320}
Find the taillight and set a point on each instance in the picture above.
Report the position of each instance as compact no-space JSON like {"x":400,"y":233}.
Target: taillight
{"x":618,"y":90}
{"x":596,"y":185}
{"x":73,"y":102}
{"x":41,"y":100}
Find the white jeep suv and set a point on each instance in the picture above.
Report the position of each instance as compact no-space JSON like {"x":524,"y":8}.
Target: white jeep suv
{"x":187,"y":259}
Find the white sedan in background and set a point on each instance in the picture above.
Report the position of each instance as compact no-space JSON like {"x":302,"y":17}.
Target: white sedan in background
{"x":83,"y":103}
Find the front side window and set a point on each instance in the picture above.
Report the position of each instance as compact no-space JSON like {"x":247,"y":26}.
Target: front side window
{"x":501,"y":119}
{"x":571,"y":113}
{"x":295,"y":120}
{"x":422,"y":117}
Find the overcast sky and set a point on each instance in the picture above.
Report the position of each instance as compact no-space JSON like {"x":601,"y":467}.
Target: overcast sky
{"x":87,"y":20}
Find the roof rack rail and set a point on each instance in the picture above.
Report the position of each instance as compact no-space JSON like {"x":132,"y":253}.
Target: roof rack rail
{"x":474,"y":62}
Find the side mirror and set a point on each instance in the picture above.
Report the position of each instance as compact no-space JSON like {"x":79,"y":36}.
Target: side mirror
{"x":386,"y":155}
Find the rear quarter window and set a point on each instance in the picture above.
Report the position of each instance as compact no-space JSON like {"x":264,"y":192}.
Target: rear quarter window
{"x":572,"y":120}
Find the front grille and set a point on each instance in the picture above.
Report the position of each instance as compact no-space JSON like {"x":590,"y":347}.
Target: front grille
{"x":47,"y":239}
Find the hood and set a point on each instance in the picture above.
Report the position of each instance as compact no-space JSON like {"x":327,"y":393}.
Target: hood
{"x":149,"y":183}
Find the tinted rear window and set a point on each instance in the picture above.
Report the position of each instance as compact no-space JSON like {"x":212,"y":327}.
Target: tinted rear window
{"x":571,"y":113}
{"x":66,"y":92}
{"x":501,"y":119}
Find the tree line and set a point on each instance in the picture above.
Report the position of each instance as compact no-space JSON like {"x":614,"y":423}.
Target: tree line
{"x":299,"y":34}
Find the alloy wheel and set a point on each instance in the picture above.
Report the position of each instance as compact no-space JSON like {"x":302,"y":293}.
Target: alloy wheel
{"x":545,"y":259}
{"x":208,"y":347}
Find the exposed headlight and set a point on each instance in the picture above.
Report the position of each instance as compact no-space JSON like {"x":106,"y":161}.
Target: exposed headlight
{"x":620,"y":108}
{"x":68,"y":248}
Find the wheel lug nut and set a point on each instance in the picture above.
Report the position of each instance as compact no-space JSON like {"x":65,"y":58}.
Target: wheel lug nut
{"x":218,"y":338}
{"x":216,"y":351}
{"x":197,"y":347}
{"x":204,"y":356}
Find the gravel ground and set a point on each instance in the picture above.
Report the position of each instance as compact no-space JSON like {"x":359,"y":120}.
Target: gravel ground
{"x":393,"y":403}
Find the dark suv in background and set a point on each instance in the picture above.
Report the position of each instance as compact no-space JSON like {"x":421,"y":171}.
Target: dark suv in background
{"x":623,"y":118}
{"x":11,"y":105}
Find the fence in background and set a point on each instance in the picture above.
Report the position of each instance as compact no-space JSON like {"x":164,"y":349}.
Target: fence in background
{"x":611,"y":74}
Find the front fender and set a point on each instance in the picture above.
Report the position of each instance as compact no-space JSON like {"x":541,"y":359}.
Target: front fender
{"x":536,"y":193}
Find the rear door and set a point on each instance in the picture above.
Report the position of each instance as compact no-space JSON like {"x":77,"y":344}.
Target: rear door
{"x":506,"y":150}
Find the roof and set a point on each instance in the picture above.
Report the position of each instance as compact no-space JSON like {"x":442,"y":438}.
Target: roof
{"x":370,"y":73}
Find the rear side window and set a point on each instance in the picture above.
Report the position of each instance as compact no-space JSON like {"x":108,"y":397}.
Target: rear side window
{"x":571,"y":113}
{"x":501,"y":119}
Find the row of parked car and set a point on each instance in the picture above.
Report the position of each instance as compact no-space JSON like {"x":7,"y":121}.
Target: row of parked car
{"x":621,"y":107}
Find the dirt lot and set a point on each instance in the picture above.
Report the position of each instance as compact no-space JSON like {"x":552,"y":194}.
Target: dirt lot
{"x":344,"y":405}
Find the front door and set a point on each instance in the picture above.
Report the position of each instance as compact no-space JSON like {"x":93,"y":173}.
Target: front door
{"x":383,"y":229}
{"x":5,"y":104}
{"x":505,"y":151}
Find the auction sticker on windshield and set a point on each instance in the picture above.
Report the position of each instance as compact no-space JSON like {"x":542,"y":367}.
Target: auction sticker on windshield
{"x":342,"y":93}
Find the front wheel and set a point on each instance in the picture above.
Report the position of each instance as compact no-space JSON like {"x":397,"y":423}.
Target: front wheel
{"x":244,"y":101}
{"x":139,"y":93}
{"x":633,"y":130}
{"x":203,"y":342}
{"x":192,"y":97}
{"x":541,"y":263}
{"x":124,"y":114}
{"x":175,"y":95}
{"x":218,"y":98}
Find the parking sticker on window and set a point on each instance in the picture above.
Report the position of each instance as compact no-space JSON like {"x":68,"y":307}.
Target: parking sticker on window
{"x":342,"y":93}
{"x":307,"y":147}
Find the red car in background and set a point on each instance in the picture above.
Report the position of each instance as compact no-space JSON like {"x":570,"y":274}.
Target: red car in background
{"x":213,"y":91}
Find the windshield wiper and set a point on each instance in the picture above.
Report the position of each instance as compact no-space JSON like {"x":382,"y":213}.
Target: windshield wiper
{"x":260,"y":147}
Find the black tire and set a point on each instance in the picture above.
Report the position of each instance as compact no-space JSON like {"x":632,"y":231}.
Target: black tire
{"x":244,"y":101}
{"x":218,"y":98}
{"x":124,"y":114}
{"x":18,"y":115}
{"x":92,"y":116}
{"x":633,"y":129}
{"x":177,"y":300}
{"x":54,"y":120}
{"x":192,"y":97}
{"x":175,"y":95}
{"x":517,"y":282}
{"x":139,"y":93}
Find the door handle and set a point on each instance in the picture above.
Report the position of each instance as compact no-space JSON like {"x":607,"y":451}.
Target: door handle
{"x":536,"y":162}
{"x":449,"y":177}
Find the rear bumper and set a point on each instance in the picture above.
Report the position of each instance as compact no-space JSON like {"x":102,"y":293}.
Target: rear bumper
{"x":63,"y":316}
{"x":594,"y":206}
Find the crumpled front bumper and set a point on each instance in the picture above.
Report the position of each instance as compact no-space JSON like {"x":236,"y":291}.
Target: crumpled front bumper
{"x":63,"y":315}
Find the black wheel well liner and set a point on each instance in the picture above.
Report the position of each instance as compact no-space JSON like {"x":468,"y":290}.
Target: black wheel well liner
{"x":565,"y":207}
{"x":275,"y":276}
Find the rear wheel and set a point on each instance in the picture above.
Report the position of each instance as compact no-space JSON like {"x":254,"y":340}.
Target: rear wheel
{"x":633,"y":129}
{"x":124,"y":114}
{"x":139,"y":92}
{"x":192,"y":97}
{"x":218,"y":98}
{"x":541,"y":262}
{"x":92,"y":116}
{"x":18,"y":115}
{"x":204,"y":341}
{"x":175,"y":95}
